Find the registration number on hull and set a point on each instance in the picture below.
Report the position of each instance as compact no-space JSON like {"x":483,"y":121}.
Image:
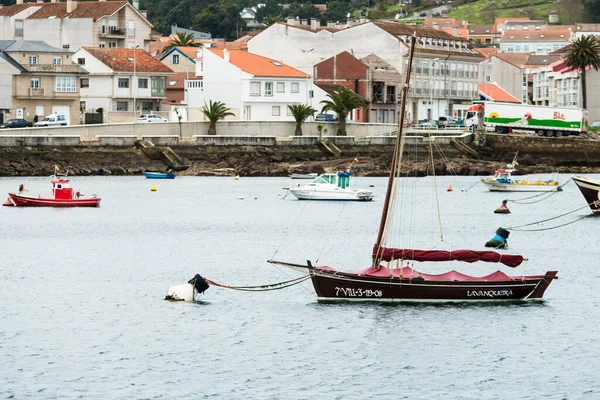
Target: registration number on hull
{"x":351,"y":292}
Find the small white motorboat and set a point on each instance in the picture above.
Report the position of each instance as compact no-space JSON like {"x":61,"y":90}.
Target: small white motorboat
{"x":331,"y":186}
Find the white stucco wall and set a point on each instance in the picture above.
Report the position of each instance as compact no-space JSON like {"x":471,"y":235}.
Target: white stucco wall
{"x":222,"y":82}
{"x":293,"y":46}
{"x":6,"y":78}
{"x":505,"y":75}
{"x":74,"y":32}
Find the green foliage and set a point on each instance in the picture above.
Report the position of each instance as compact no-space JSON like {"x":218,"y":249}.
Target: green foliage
{"x":222,"y":20}
{"x":215,"y":111}
{"x":300,"y":112}
{"x":592,"y":9}
{"x":271,"y":10}
{"x":302,"y":11}
{"x":342,"y":102}
{"x":582,"y":53}
{"x":181,"y":39}
{"x":337,"y":11}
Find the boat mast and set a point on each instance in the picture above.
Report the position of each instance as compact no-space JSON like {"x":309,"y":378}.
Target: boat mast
{"x":396,"y":158}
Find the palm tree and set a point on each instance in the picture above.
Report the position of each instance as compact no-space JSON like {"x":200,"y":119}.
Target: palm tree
{"x":300,"y":112}
{"x":342,"y":102}
{"x":215,"y":111}
{"x":181,"y":39}
{"x":582,"y":53}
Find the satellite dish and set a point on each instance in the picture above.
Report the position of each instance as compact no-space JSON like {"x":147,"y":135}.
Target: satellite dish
{"x":396,"y":17}
{"x":348,"y":15}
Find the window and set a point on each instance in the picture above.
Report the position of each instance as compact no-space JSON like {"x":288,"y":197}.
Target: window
{"x":175,"y":58}
{"x":254,"y":88}
{"x":276,"y":111}
{"x":143,"y":83}
{"x":81,"y":61}
{"x":280,"y":87}
{"x":488,"y":79}
{"x":65,"y":84}
{"x":195,"y":84}
{"x":268,"y":88}
{"x":33,"y":59}
{"x":103,"y":29}
{"x":112,"y":44}
{"x":57,"y":61}
{"x":102,"y":44}
{"x":85,"y":82}
{"x":35,"y":83}
{"x":124,"y":82}
{"x":288,"y":111}
{"x":131,"y":28}
{"x":158,"y":86}
{"x":19,"y":27}
{"x":121,"y":106}
{"x":295,"y":87}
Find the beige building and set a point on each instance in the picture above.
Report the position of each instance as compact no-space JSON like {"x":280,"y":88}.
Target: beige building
{"x":38,"y":79}
{"x":73,"y":24}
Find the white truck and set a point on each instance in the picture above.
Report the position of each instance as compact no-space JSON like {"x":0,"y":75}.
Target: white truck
{"x":545,"y":121}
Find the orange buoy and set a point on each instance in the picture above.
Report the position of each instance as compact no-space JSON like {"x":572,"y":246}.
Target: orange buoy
{"x":503,"y":209}
{"x":450,"y":188}
{"x":8,"y":203}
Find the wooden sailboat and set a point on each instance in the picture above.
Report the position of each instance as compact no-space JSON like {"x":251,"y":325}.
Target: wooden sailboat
{"x":590,"y":189}
{"x":398,"y":282}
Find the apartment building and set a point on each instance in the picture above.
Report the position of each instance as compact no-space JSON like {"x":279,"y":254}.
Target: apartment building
{"x":73,"y":24}
{"x":37,"y":80}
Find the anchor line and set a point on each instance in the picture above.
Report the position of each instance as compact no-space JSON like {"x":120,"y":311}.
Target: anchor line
{"x":521,"y":201}
{"x":517,"y":228}
{"x":262,"y":288}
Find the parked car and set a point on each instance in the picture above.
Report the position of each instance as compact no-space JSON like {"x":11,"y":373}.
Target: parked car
{"x":53,"y":120}
{"x":16,"y":123}
{"x":447,"y":122}
{"x":326,"y":118}
{"x":427,"y":123}
{"x":423,"y":15}
{"x":151,"y":118}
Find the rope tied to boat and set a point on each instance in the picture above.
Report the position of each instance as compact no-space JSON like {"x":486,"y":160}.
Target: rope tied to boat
{"x":262,"y":288}
{"x":518,"y":228}
{"x":547,"y":194}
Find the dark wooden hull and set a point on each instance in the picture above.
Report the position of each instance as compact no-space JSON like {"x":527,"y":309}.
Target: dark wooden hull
{"x":590,"y":189}
{"x":347,"y":287}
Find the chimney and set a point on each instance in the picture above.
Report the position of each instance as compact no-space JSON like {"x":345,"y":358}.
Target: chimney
{"x":53,"y":1}
{"x":291,"y":21}
{"x":349,"y":22}
{"x":330,"y":25}
{"x":454,"y":31}
{"x":39,"y":1}
{"x":226,"y":55}
{"x":315,"y":24}
{"x":71,"y":6}
{"x":144,"y":13}
{"x":19,"y":1}
{"x":297,"y":21}
{"x":304,"y":22}
{"x":136,"y":4}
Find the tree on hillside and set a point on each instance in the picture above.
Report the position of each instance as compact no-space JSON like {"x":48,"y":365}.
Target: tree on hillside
{"x":271,"y":9}
{"x":302,"y":11}
{"x":592,"y":10}
{"x":582,"y":53}
{"x":181,"y":39}
{"x":222,"y":20}
{"x":300,"y":112}
{"x":215,"y":111}
{"x":337,"y":11}
{"x":342,"y":102}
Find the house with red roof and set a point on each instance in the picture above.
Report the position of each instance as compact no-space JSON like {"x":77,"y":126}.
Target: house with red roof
{"x":72,"y":24}
{"x":123,"y":82}
{"x":255,"y":88}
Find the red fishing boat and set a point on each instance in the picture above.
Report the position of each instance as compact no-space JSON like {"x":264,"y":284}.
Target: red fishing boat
{"x":62,"y":192}
{"x":399,"y":281}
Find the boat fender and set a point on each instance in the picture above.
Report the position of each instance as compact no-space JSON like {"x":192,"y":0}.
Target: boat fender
{"x":499,"y":241}
{"x":503,"y":209}
{"x":8,"y":203}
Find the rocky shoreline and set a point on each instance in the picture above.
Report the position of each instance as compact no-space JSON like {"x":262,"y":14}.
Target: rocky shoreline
{"x":266,"y":161}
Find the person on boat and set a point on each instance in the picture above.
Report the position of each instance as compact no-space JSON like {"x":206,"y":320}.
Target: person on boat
{"x":77,"y":194}
{"x":22,"y":188}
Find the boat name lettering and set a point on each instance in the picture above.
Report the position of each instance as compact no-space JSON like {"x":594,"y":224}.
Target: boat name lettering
{"x":350,"y":292}
{"x":489,"y":293}
{"x":558,"y":115}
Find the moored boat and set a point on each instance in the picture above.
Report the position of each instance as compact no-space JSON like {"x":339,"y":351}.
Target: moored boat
{"x":590,"y":189}
{"x":331,"y":186}
{"x":159,"y":175}
{"x":63,"y":196}
{"x":502,"y":181}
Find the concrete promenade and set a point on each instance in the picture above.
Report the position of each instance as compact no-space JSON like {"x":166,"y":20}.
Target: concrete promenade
{"x":228,"y":133}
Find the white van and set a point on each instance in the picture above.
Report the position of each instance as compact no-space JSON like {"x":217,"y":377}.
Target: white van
{"x":53,"y":120}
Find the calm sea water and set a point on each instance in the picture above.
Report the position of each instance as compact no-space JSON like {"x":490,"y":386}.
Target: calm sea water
{"x":82,"y":313}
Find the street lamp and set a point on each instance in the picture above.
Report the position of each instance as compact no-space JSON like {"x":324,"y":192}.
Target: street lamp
{"x":134,"y":83}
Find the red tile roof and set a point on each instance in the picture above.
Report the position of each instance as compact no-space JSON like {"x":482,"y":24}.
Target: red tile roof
{"x":258,"y":65}
{"x":537,"y":36}
{"x":461,"y":33}
{"x":395,"y":29}
{"x":487,"y":51}
{"x":496,"y":93}
{"x":9,"y":11}
{"x":121,"y":60}
{"x":88,"y":9}
{"x":504,"y":21}
{"x":179,"y":79}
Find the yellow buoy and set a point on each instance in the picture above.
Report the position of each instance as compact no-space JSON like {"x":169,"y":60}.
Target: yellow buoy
{"x":236,"y":177}
{"x":153,"y":188}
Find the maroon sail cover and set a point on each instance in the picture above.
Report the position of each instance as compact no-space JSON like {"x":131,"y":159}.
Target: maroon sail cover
{"x":387,"y":254}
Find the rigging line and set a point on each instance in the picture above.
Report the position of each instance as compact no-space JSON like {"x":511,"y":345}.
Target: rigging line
{"x":470,"y":187}
{"x":289,"y":230}
{"x":520,"y":201}
{"x":437,"y":198}
{"x":331,"y":231}
{"x":552,"y":227}
{"x":550,"y":219}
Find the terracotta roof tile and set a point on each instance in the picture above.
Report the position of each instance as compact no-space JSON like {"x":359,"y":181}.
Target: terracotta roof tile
{"x":505,"y":20}
{"x":121,"y":60}
{"x":179,"y":79}
{"x":461,"y":33}
{"x":395,"y":29}
{"x":537,"y":36}
{"x":88,"y":9}
{"x":480,"y":29}
{"x":516,"y":59}
{"x":258,"y":65}
{"x":496,"y":93}
{"x":9,"y":11}
{"x":487,"y":51}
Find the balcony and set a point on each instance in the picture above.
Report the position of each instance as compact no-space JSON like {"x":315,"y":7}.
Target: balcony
{"x":56,"y":68}
{"x":37,"y":92}
{"x":42,"y":93}
{"x":113,"y":33}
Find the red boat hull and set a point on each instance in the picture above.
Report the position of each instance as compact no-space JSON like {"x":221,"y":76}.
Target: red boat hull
{"x":26,"y":201}
{"x":348,"y":287}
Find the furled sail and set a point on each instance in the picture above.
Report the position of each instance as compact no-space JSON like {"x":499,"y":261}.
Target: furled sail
{"x":388,"y":254}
